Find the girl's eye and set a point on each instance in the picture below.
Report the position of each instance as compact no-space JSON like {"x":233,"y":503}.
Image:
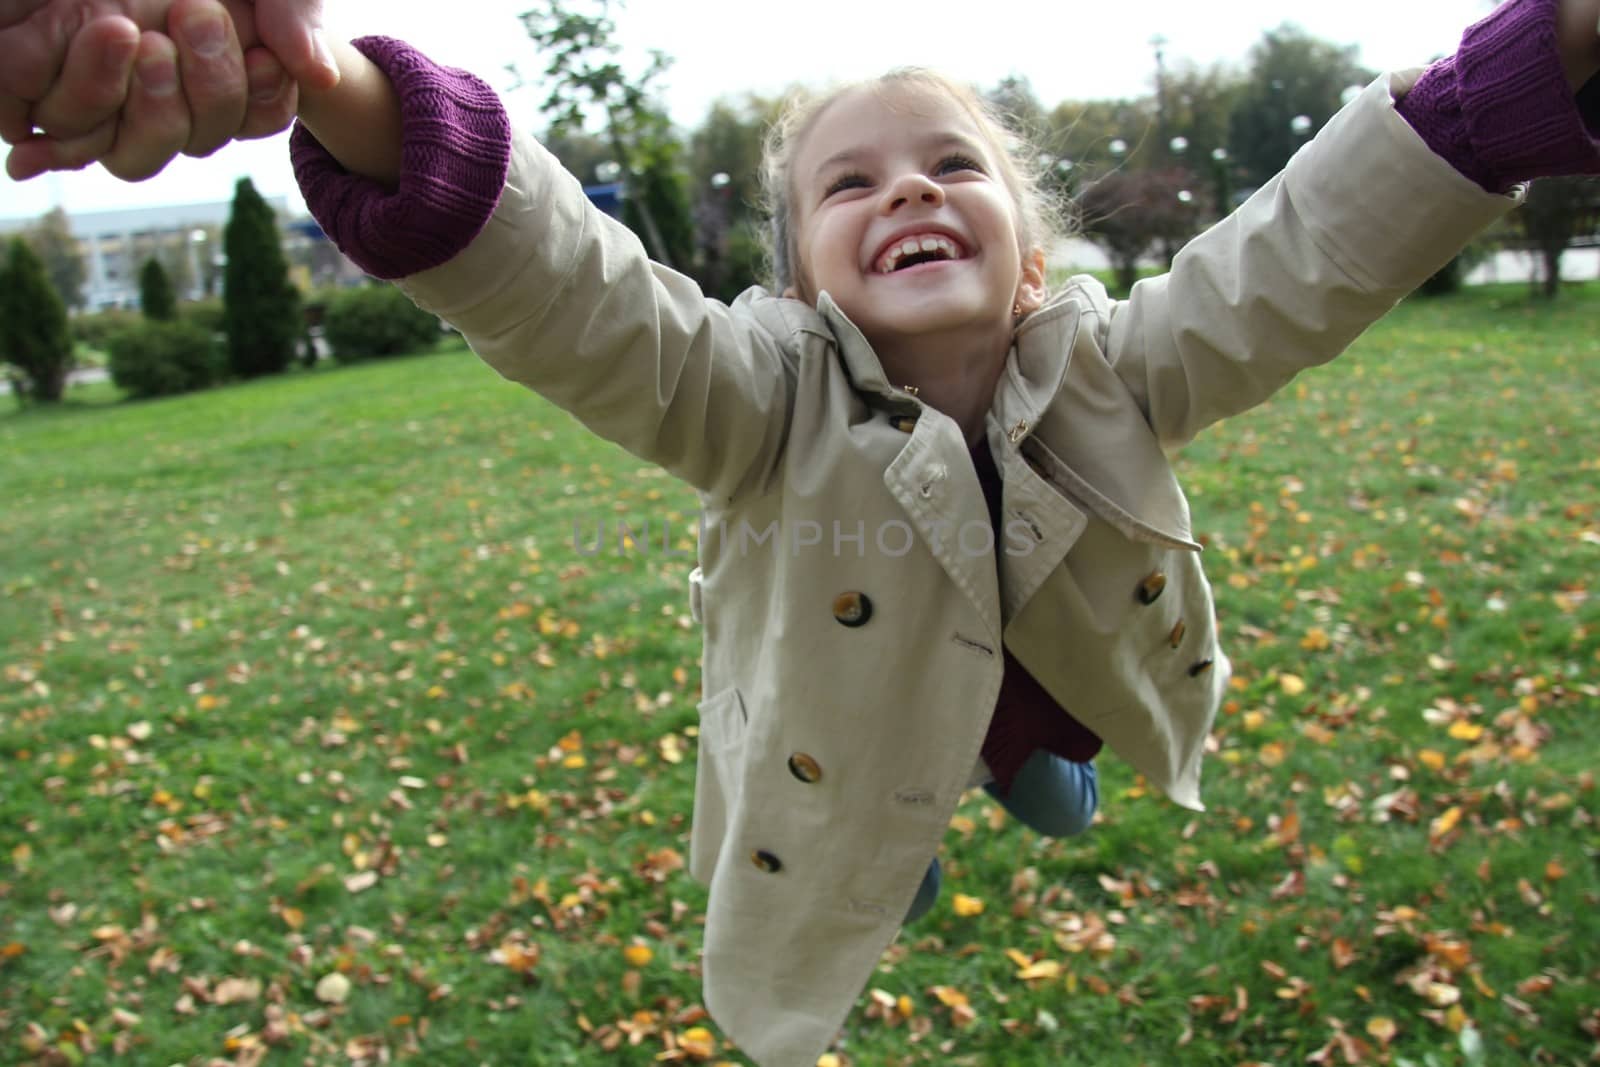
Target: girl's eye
{"x":956,"y":162}
{"x":852,"y":180}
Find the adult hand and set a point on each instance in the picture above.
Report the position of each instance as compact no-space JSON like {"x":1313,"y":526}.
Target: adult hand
{"x":14,"y":11}
{"x":1578,"y":39}
{"x":92,"y":77}
{"x":164,"y":98}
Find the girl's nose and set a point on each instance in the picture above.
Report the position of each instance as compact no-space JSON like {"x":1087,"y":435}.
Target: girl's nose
{"x":912,"y":187}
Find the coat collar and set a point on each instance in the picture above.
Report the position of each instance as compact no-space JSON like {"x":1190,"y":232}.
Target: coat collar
{"x":1035,"y":368}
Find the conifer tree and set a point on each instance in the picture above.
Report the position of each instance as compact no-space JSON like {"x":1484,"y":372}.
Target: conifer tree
{"x":35,"y":337}
{"x":156,"y":298}
{"x":261,"y":309}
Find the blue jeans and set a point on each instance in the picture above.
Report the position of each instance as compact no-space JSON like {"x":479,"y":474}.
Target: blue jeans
{"x":1051,"y":796}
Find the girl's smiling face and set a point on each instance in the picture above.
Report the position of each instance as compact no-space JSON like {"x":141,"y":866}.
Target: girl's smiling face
{"x":902,"y":216}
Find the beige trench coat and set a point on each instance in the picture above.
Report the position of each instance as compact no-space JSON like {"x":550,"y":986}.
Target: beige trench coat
{"x":852,"y":610}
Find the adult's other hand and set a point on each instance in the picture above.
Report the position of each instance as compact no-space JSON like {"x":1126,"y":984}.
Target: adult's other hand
{"x":131,"y":97}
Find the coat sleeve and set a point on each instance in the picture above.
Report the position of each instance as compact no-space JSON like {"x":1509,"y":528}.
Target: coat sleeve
{"x":561,"y":298}
{"x":1360,"y":217}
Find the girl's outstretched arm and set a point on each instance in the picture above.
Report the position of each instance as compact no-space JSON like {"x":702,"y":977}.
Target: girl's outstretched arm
{"x":358,"y":119}
{"x":1384,"y":196}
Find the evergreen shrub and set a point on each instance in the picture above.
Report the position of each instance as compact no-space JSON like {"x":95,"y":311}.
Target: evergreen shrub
{"x":375,"y":322}
{"x":155,"y":358}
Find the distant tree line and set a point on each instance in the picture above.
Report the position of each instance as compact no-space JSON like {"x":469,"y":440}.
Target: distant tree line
{"x":257,"y":328}
{"x":1138,"y":176}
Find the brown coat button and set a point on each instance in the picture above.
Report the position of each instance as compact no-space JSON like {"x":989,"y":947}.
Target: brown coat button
{"x":1200,"y":668}
{"x":852,"y":609}
{"x":805,"y":768}
{"x":903,"y":423}
{"x":1175,"y":638}
{"x":1151,"y":588}
{"x":766,"y":861}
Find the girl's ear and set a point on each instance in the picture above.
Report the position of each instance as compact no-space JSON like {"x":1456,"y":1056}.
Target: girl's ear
{"x":791,"y":293}
{"x":1032,"y":290}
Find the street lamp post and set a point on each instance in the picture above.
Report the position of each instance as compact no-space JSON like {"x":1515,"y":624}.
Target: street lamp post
{"x":718,"y":216}
{"x":1219,"y":176}
{"x":611,"y":171}
{"x":1158,"y":42}
{"x":196,"y":281}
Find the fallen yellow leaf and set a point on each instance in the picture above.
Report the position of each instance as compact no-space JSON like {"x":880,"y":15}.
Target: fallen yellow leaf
{"x":1444,"y":824}
{"x":515,"y":957}
{"x":1316,"y":640}
{"x":1044,"y":969}
{"x":698,"y":1041}
{"x":966,"y":906}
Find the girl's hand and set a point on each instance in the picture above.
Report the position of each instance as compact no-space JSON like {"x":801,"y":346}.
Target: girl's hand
{"x":132,"y":83}
{"x":1578,"y":39}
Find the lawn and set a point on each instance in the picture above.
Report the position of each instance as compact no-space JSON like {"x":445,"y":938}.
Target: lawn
{"x":325,"y":738}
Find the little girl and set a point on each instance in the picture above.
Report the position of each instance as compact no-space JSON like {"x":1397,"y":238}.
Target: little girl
{"x":972,"y":563}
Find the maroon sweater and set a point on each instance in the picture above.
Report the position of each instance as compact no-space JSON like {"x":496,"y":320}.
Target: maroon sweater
{"x":1499,"y":111}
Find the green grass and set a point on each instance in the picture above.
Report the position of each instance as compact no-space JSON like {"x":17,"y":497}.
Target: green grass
{"x":263,"y":645}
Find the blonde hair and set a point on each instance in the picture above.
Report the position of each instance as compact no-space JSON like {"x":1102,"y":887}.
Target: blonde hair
{"x":1040,"y":216}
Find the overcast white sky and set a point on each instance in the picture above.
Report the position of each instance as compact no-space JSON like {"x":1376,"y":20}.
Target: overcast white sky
{"x":1067,"y":49}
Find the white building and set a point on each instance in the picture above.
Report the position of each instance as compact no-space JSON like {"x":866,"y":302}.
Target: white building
{"x":186,"y":237}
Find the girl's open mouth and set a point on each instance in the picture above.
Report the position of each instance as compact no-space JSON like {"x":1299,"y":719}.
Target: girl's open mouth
{"x":916,"y":250}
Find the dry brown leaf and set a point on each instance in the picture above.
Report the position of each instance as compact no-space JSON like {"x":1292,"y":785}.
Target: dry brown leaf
{"x":236,"y":991}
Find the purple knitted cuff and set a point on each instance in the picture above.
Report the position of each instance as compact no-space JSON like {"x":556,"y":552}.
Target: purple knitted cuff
{"x":455,"y":150}
{"x":1500,"y":110}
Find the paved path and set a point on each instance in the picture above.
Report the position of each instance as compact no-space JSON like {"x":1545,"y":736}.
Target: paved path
{"x":81,"y":376}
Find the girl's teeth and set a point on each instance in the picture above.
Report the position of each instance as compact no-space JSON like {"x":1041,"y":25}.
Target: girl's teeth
{"x":912,"y":246}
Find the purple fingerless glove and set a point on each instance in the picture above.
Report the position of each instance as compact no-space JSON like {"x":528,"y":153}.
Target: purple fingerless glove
{"x":456,"y":148}
{"x":1500,"y":110}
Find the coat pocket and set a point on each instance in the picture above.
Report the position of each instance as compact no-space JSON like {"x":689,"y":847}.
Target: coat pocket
{"x":719,"y":770}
